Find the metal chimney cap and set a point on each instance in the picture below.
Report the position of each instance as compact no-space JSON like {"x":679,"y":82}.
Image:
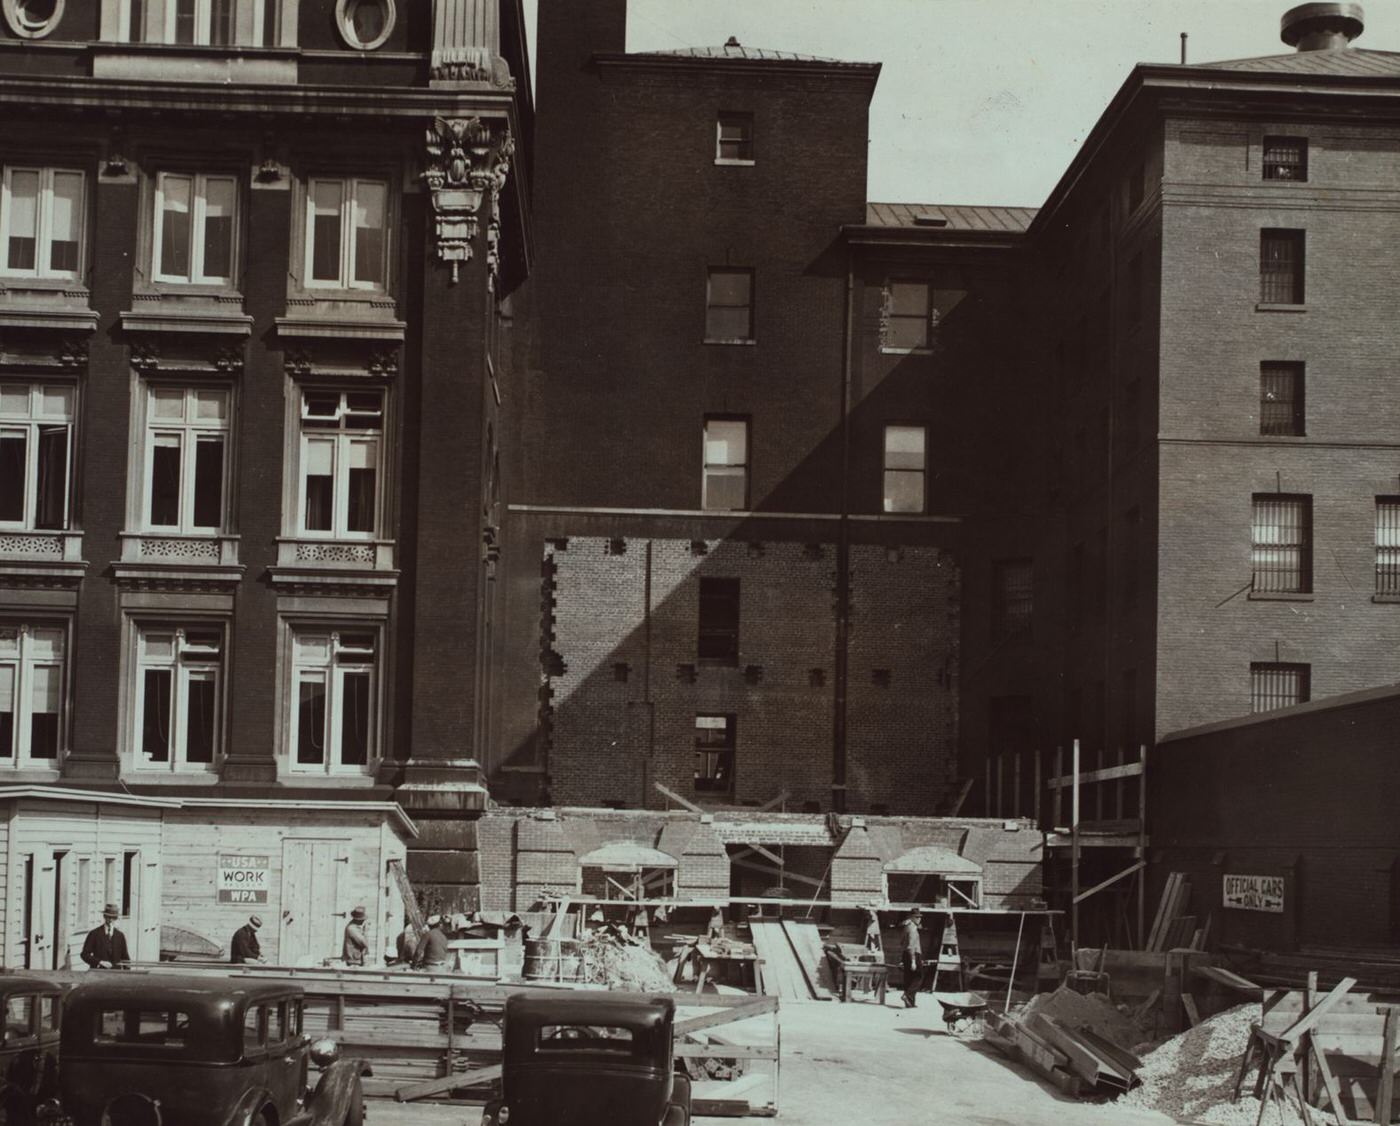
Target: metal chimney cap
{"x":1311,"y":27}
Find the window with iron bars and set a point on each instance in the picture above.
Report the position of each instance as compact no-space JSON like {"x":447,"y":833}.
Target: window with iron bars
{"x":1281,"y":544}
{"x":1280,"y":267}
{"x":1281,"y":399}
{"x":1012,"y":582}
{"x":1388,"y":546}
{"x":1273,"y":685}
{"x":1286,"y":158}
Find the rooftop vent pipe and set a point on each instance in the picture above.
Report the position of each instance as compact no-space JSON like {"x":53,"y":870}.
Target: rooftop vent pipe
{"x":1322,"y":27}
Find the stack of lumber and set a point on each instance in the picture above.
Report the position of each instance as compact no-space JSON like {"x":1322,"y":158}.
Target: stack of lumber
{"x":1172,"y":929}
{"x":794,"y":965}
{"x":1076,"y":1060}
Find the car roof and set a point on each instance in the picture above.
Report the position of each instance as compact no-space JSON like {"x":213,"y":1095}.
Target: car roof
{"x":590,"y":1007}
{"x":11,"y":984}
{"x":190,"y":991}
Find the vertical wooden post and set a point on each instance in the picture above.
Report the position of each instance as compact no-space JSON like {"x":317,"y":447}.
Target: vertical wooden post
{"x":1120,"y":758}
{"x":1098,"y":786}
{"x":987,"y":790}
{"x":1385,"y":1095}
{"x":1016,"y":785}
{"x":1035,"y":798}
{"x":1142,"y":846}
{"x":1056,"y":804}
{"x":1306,"y":1071}
{"x":1074,"y":854}
{"x":1001,"y":775}
{"x":451,"y":1025}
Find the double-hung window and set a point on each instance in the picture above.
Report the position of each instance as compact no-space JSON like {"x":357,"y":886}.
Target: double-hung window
{"x":734,"y":138}
{"x":1281,"y":544}
{"x":908,"y":316}
{"x":178,"y":682}
{"x":41,"y":222}
{"x":334,"y":689}
{"x":905,"y":468}
{"x":195,"y":228}
{"x":729,"y":305}
{"x":202,"y":22}
{"x":31,"y":694}
{"x":719,"y":622}
{"x":341,"y":441}
{"x":187,"y":431}
{"x":725,"y":484}
{"x":347,"y":223}
{"x":36,"y":432}
{"x":714,"y":753}
{"x":215,"y":23}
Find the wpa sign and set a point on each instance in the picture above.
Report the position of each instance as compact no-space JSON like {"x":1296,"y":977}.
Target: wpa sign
{"x":1254,"y":893}
{"x":243,"y":879}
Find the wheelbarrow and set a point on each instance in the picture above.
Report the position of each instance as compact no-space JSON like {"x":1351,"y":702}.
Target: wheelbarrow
{"x":960,"y":1010}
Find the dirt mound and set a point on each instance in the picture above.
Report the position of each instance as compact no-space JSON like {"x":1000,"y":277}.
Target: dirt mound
{"x":1093,"y":1011}
{"x":620,"y":963}
{"x":1192,"y":1075}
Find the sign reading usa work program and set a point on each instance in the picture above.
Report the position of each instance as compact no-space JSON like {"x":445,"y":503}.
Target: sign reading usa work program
{"x":1254,"y":893}
{"x":243,"y":879}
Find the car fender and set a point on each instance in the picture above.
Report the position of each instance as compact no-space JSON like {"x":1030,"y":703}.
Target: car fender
{"x":337,"y":1093}
{"x":253,"y":1100}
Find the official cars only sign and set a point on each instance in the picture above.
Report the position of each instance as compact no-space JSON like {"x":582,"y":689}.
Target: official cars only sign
{"x":1254,"y":893}
{"x":243,"y":879}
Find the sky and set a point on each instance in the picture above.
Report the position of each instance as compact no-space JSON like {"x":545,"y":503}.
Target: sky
{"x":982,"y":101}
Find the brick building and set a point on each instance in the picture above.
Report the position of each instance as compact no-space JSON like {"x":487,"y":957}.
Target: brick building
{"x":255,"y":260}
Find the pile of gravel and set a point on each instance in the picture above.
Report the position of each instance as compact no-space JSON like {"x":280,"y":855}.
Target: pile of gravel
{"x":1191,"y":1076}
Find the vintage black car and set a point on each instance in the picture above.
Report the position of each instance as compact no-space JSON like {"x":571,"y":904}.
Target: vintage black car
{"x":188,"y":1051}
{"x":585,"y":1058}
{"x":28,"y":1046}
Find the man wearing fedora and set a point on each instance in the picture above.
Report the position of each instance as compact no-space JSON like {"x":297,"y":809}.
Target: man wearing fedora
{"x":356,"y":945}
{"x":105,"y":946}
{"x":245,"y":946}
{"x":912,"y":957}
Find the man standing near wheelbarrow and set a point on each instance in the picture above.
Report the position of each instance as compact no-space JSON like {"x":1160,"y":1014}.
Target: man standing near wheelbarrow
{"x":912,"y":957}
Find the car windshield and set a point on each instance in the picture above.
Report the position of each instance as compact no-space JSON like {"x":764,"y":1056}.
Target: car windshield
{"x":585,"y":1037}
{"x":19,"y":1016}
{"x":152,"y":1028}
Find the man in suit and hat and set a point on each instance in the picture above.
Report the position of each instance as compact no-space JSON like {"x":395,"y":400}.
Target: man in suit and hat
{"x":105,"y":946}
{"x":912,"y":957}
{"x":356,"y":945}
{"x":245,"y":946}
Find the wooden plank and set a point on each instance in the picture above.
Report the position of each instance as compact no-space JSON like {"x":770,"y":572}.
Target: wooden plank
{"x":806,"y":946}
{"x":725,"y":1052}
{"x":1314,"y":1015}
{"x":447,"y":1083}
{"x":781,"y":973}
{"x":685,"y":803}
{"x":1106,"y":774}
{"x":1229,"y":979}
{"x":1329,"y":1083}
{"x":1083,"y":895}
{"x":1193,"y":1014}
{"x":767,"y":854}
{"x":1158,"y":921}
{"x":1385,"y":1093}
{"x":754,"y":1007}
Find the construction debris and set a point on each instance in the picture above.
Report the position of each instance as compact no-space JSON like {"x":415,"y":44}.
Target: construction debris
{"x":1092,"y":1011}
{"x":1078,"y":1042}
{"x":612,"y":957}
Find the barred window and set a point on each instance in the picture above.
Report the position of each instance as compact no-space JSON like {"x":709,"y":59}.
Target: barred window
{"x":1286,"y":158}
{"x":1012,"y":583}
{"x":1281,"y":541}
{"x":1278,"y":686}
{"x":1388,"y":545}
{"x":1281,"y":399}
{"x":1281,"y":267}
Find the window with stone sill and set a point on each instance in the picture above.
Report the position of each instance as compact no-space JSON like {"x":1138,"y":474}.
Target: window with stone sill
{"x":365,"y":24}
{"x":194,"y":236}
{"x":211,"y":23}
{"x":346,"y":234}
{"x":907,"y":316}
{"x":714,"y":753}
{"x":178,"y":697}
{"x":906,"y":465}
{"x":36,"y":449}
{"x":339,"y":463}
{"x":185,"y":465}
{"x":31,"y":694}
{"x":42,"y":222}
{"x":334,"y":701}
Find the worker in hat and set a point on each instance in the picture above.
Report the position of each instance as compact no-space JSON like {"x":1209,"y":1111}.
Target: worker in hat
{"x":912,"y":959}
{"x":105,"y":946}
{"x":355,"y":945}
{"x":432,"y":953}
{"x":245,"y":946}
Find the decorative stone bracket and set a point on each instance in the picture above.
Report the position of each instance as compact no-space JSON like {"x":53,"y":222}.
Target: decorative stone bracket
{"x":467,"y":159}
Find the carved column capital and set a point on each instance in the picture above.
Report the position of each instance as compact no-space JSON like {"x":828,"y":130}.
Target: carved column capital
{"x":467,"y":158}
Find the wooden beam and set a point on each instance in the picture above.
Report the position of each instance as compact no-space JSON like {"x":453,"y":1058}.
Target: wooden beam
{"x":768,"y":855}
{"x":441,"y":1086}
{"x":772,"y":802}
{"x":1385,"y":1093}
{"x":963,"y":791}
{"x":1138,"y":867}
{"x":754,"y":1007}
{"x":675,"y":797}
{"x":1107,"y":774}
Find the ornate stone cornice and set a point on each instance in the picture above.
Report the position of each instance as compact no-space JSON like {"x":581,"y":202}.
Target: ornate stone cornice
{"x":467,"y":158}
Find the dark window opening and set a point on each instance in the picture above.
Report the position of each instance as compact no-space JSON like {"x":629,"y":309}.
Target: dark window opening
{"x":1281,"y":401}
{"x":719,"y":621}
{"x":1012,"y":581}
{"x":714,"y":752}
{"x":1281,"y":267}
{"x":1286,"y":158}
{"x":1278,"y":686}
{"x":729,"y":305}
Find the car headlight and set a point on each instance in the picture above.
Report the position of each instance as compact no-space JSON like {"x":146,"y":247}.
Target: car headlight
{"x":325,"y":1052}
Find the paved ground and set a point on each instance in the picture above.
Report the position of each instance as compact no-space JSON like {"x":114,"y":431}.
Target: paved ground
{"x":863,"y":1065}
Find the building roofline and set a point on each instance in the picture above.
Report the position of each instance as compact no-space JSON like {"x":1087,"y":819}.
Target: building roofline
{"x":1339,"y":702}
{"x":1150,"y":79}
{"x":879,"y":235}
{"x":41,"y":792}
{"x":806,"y":67}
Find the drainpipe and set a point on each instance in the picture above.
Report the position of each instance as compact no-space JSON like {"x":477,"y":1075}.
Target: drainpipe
{"x":843,"y":559}
{"x":646,"y":683}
